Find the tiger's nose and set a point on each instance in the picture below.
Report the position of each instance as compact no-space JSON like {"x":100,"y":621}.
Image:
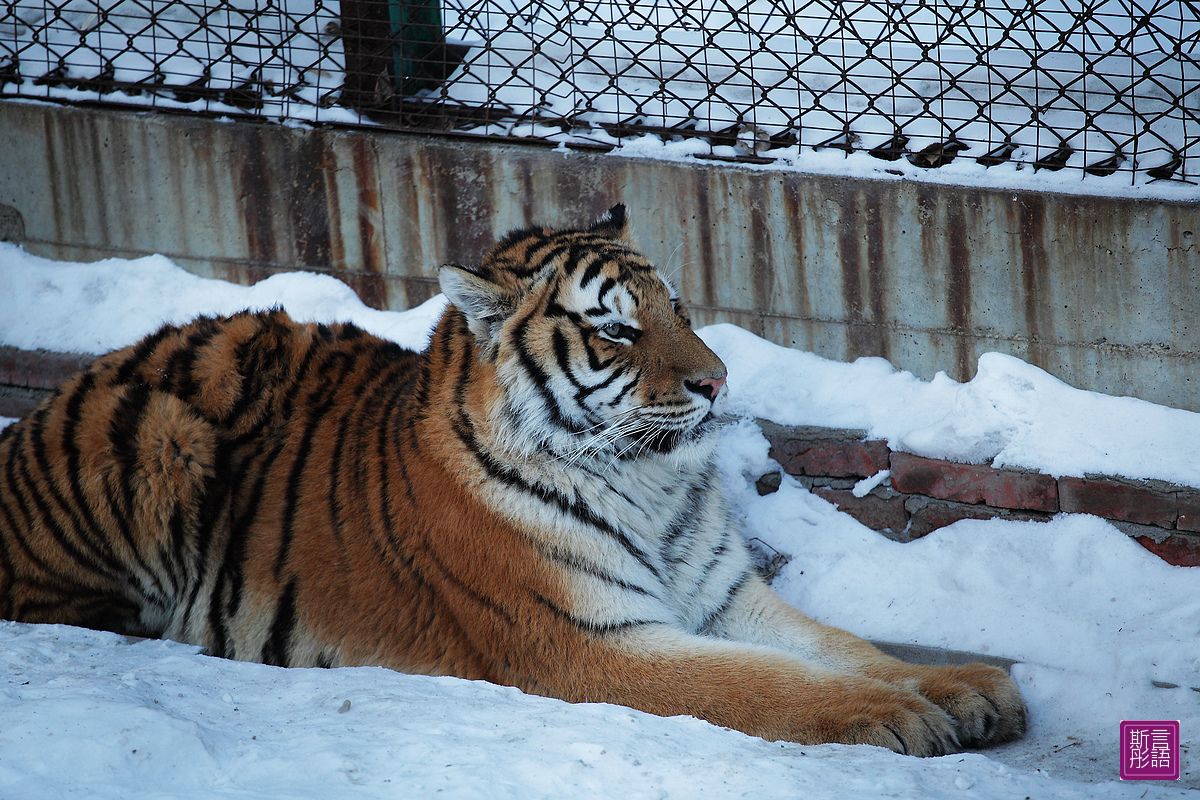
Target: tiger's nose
{"x":708,"y":387}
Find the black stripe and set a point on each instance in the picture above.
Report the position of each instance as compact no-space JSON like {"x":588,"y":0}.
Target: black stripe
{"x":637,"y":377}
{"x":348,"y":332}
{"x":464,"y":587}
{"x":588,"y":391}
{"x":684,"y":519}
{"x":23,"y":512}
{"x":570,"y":561}
{"x":562,"y":354}
{"x":593,"y":269}
{"x":256,"y":364}
{"x":336,"y":483}
{"x":396,"y":424}
{"x":227,"y":589}
{"x":141,"y":352}
{"x":592,"y":627}
{"x":48,"y":523}
{"x":330,"y":372}
{"x":607,"y":286}
{"x":397,"y":552}
{"x":730,"y":593}
{"x":175,"y":552}
{"x":70,"y":446}
{"x":538,"y":256}
{"x":178,"y":378}
{"x":68,"y":513}
{"x":441,"y":342}
{"x":594,"y":362}
{"x":215,"y":498}
{"x":554,"y":309}
{"x":7,"y":575}
{"x":122,"y":435}
{"x":276,"y":649}
{"x":242,"y":517}
{"x":385,"y":446}
{"x":549,"y":495}
{"x":716,"y":556}
{"x":606,"y":478}
{"x":541,"y":381}
{"x":466,"y":365}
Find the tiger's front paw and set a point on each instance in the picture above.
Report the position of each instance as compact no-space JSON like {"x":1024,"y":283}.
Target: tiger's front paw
{"x":985,"y":704}
{"x":894,"y":718}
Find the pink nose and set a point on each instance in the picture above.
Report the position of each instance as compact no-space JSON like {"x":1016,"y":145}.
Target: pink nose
{"x":709,"y":387}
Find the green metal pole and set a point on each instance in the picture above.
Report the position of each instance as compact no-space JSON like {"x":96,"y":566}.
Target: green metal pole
{"x":416,"y":35}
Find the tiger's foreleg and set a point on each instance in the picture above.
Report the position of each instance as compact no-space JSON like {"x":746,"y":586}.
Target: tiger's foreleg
{"x":983,"y":701}
{"x":757,"y":690}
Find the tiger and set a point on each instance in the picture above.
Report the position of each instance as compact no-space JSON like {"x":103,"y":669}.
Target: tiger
{"x":533,"y":500}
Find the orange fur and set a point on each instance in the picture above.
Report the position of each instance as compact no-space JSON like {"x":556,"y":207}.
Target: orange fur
{"x":532,"y":502}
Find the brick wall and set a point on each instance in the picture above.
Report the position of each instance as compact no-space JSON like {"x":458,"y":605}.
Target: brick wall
{"x":27,"y":376}
{"x":924,"y":494}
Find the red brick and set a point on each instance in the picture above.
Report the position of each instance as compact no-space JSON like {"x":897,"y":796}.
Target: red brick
{"x":1189,"y":511}
{"x":838,"y":459}
{"x":826,"y":452}
{"x":38,"y":369}
{"x":1179,"y":549}
{"x":973,"y":483}
{"x":929,"y":515}
{"x":932,"y":516}
{"x":877,"y":513}
{"x":1115,"y":500}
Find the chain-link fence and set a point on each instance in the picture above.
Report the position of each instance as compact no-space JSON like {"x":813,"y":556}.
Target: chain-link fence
{"x":1109,"y":87}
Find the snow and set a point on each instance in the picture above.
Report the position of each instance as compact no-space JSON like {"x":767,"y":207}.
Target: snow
{"x":1010,"y":414}
{"x":1097,"y":625}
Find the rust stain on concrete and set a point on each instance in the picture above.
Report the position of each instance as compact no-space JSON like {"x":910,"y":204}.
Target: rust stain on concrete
{"x":926,"y":275}
{"x":368,"y":280}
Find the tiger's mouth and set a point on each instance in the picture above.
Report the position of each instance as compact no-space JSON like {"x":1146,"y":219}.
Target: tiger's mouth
{"x":667,"y":440}
{"x":638,"y":431}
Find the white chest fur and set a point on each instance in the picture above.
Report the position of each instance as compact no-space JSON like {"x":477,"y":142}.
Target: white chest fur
{"x":648,"y":539}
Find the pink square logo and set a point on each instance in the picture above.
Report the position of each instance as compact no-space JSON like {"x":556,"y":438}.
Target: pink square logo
{"x":1150,"y":750}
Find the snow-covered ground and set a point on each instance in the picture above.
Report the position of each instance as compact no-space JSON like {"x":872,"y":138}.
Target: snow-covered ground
{"x":1096,"y":624}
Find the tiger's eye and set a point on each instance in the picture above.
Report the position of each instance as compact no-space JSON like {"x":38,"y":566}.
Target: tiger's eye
{"x":618,"y":331}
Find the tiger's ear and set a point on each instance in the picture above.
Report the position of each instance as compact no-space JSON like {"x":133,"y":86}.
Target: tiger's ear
{"x":485,"y":304}
{"x":614,"y":224}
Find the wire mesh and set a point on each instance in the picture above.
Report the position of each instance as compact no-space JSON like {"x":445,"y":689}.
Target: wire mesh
{"x":1109,"y":87}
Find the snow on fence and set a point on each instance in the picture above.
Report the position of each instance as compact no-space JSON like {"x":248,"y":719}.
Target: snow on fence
{"x":1110,"y":87}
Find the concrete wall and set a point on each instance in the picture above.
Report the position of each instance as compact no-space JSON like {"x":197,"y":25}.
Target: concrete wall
{"x":1101,"y":292}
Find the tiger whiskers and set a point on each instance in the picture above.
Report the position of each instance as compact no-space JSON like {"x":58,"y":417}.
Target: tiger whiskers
{"x":653,"y":428}
{"x":627,"y":424}
{"x":641,"y":431}
{"x":668,"y":278}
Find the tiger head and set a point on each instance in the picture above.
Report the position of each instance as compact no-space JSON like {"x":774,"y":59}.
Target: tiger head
{"x":591,"y":347}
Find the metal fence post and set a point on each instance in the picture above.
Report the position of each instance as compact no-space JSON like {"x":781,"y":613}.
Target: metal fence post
{"x":416,"y":39}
